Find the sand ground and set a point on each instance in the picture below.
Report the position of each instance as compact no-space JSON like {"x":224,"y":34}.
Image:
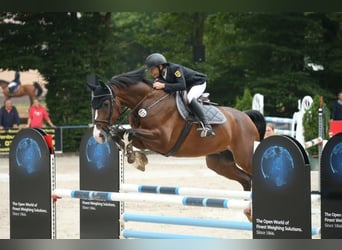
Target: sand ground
{"x":185,"y":172}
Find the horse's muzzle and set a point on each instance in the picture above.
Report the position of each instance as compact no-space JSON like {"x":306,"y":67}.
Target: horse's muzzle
{"x":100,"y":135}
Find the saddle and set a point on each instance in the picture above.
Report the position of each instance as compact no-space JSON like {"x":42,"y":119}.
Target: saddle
{"x":213,"y":114}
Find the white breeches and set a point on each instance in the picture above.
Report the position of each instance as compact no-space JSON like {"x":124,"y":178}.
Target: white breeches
{"x":12,"y":84}
{"x":196,"y":91}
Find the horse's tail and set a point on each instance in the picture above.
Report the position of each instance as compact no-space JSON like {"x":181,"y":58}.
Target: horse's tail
{"x":38,"y":88}
{"x":259,"y":121}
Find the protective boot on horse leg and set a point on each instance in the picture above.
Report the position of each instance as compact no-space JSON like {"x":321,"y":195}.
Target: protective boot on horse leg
{"x":206,"y":129}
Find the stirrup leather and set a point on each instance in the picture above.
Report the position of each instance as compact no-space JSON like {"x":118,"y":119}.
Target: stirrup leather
{"x":204,"y":131}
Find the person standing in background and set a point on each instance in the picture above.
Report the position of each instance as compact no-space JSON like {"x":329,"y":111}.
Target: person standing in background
{"x":337,"y":109}
{"x":9,"y":116}
{"x":270,"y":130}
{"x":37,"y":115}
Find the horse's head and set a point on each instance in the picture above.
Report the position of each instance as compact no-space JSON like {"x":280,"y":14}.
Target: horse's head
{"x":3,"y":83}
{"x":107,"y":110}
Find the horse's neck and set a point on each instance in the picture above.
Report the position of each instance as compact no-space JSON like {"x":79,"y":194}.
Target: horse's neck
{"x":3,"y":84}
{"x":133,"y":96}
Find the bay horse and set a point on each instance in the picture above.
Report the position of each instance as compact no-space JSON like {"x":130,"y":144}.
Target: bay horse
{"x":31,"y":90}
{"x":157,"y":125}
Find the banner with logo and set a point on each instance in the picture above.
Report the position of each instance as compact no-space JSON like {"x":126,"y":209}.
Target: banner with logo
{"x":99,"y":171}
{"x":30,"y":185}
{"x":281,"y":190}
{"x":331,"y":189}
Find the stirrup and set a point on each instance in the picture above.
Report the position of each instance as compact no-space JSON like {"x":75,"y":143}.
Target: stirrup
{"x":205,"y":131}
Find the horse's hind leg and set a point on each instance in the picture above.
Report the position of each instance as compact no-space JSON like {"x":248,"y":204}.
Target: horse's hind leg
{"x":223,"y":163}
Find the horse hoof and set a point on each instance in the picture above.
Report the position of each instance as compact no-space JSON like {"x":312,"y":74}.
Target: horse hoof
{"x":131,"y":158}
{"x":140,"y":167}
{"x":140,"y":161}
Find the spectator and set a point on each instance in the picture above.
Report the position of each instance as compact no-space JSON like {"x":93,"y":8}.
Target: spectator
{"x":9,"y":116}
{"x":37,"y":115}
{"x":337,"y":109}
{"x":270,"y":130}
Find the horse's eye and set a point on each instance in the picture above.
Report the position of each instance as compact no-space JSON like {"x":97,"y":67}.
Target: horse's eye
{"x":106,"y":104}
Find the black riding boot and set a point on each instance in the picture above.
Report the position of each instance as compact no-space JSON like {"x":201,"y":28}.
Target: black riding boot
{"x":11,"y":91}
{"x":197,"y":109}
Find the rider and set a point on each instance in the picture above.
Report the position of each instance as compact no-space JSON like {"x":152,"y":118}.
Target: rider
{"x":14,"y":84}
{"x":174,"y":77}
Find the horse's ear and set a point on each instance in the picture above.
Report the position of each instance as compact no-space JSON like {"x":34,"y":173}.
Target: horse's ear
{"x":91,"y":86}
{"x":102,"y":84}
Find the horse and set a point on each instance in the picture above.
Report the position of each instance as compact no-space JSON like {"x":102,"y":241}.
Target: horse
{"x":31,"y":90}
{"x":156,"y":125}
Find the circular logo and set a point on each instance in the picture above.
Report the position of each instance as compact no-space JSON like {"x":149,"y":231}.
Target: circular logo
{"x":28,"y":155}
{"x":277,"y":166}
{"x":142,"y":113}
{"x":97,"y":154}
{"x":178,"y":74}
{"x":335,"y":160}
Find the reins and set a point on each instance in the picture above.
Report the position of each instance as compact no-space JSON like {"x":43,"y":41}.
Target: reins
{"x":134,"y":109}
{"x":111,"y":96}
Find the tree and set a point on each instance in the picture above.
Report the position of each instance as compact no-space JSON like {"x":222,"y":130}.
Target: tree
{"x":65,"y":47}
{"x":89,"y":48}
{"x":245,"y":103}
{"x":262,"y":51}
{"x":259,"y":51}
{"x":310,"y":123}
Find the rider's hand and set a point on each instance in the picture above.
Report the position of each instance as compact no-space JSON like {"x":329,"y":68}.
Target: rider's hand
{"x":158,"y":85}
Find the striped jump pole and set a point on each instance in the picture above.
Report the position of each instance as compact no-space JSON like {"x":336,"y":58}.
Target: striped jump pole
{"x":284,"y":132}
{"x":282,"y":120}
{"x":151,"y":198}
{"x":128,"y":188}
{"x":198,"y":192}
{"x":278,"y":119}
{"x":313,"y":142}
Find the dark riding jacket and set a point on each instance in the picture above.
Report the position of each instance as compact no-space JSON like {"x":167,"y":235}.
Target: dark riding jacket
{"x":180,"y":78}
{"x":16,"y":77}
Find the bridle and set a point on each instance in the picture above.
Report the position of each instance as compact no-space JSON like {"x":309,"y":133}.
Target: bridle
{"x":110,"y":96}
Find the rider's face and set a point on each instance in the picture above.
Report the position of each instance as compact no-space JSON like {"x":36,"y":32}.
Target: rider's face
{"x":154,"y":71}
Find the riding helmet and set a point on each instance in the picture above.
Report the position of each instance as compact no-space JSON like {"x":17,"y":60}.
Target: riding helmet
{"x":155,"y":59}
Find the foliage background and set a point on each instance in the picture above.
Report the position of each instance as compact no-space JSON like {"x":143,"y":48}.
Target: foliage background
{"x":268,"y":53}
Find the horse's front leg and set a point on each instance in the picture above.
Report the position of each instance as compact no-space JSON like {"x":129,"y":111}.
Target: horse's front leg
{"x":128,"y":147}
{"x":123,"y":139}
{"x":138,"y":159}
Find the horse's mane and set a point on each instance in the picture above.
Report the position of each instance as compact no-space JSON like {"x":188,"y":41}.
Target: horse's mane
{"x":125,"y":79}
